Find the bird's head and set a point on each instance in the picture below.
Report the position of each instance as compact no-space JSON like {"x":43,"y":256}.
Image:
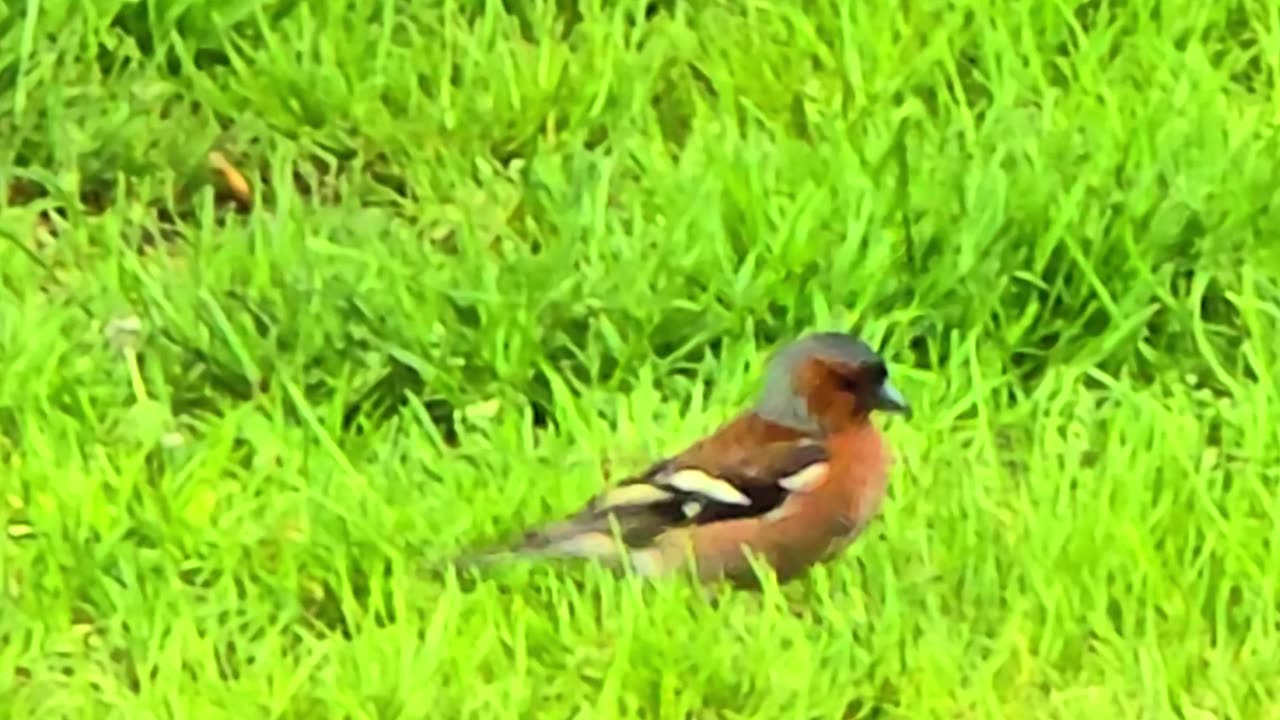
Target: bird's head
{"x":826,"y":382}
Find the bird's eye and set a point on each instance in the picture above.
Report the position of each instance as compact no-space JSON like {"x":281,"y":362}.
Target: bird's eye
{"x":850,"y":383}
{"x":865,"y":377}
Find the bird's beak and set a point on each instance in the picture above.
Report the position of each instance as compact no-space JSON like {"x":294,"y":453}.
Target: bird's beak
{"x":890,"y":399}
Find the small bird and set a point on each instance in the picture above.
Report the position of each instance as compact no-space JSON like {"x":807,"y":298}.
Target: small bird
{"x":791,"y":481}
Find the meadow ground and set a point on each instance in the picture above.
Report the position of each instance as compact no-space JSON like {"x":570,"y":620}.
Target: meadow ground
{"x":488,"y":251}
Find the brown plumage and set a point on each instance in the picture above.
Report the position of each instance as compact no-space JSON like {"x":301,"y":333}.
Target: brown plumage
{"x":791,"y":481}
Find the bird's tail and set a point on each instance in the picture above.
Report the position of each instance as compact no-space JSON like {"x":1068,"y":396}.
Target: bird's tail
{"x":472,"y":561}
{"x":489,"y":557}
{"x":577,"y":538}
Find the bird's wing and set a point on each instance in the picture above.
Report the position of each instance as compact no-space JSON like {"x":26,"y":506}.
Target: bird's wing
{"x":694,"y":488}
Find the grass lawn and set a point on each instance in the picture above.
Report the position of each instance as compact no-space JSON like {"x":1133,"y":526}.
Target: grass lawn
{"x":486,"y":256}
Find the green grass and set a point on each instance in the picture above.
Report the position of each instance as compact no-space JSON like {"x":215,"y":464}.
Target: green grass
{"x":493,"y":250}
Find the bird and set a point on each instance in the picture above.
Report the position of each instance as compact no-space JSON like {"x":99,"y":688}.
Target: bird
{"x":790,"y":481}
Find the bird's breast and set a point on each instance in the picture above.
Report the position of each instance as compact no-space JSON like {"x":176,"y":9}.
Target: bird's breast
{"x":859,"y":474}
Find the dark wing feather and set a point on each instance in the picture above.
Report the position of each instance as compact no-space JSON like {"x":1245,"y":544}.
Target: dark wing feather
{"x":757,"y":477}
{"x":677,"y":492}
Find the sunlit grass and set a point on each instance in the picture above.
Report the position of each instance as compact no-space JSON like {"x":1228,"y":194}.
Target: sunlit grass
{"x":489,"y":255}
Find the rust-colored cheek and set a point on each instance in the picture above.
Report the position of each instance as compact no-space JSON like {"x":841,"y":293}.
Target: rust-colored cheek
{"x":833,"y":407}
